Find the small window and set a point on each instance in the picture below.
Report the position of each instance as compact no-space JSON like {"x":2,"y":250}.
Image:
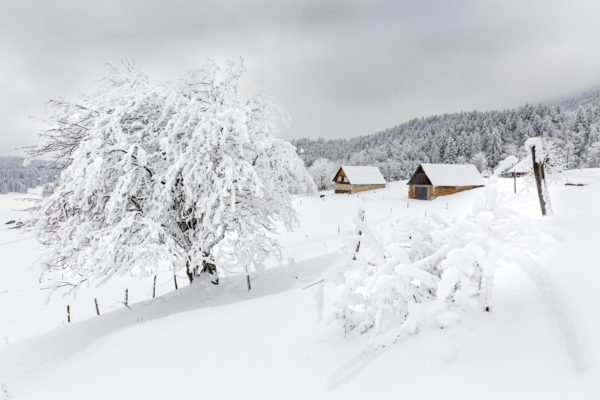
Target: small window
{"x":339,"y":179}
{"x":345,"y":179}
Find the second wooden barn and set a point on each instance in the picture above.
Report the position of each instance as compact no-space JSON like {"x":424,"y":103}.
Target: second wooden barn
{"x":354,"y":178}
{"x":432,"y":180}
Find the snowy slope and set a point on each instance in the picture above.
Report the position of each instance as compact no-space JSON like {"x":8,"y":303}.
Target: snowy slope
{"x":269,"y":343}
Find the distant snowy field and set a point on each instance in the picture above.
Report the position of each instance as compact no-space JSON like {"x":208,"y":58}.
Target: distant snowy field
{"x":227,"y":343}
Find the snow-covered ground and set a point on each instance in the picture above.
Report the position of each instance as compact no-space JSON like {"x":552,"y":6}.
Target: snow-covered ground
{"x":225,"y":342}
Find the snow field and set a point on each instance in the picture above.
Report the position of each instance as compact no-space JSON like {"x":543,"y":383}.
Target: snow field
{"x":269,"y":343}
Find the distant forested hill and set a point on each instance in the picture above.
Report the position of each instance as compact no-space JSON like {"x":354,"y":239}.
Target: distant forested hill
{"x":15,"y":177}
{"x":573,"y":124}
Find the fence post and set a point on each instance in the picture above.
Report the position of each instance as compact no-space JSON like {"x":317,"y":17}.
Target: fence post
{"x":154,"y":288}
{"x":126,"y":297}
{"x":175,"y":280}
{"x":68,"y":314}
{"x":538,"y":172}
{"x":97,"y":309}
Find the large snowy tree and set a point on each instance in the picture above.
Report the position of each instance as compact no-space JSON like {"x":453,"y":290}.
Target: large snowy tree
{"x":164,"y":175}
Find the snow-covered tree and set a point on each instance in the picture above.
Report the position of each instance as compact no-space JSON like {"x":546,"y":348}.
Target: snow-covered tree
{"x":295,"y":173}
{"x":480,"y":161}
{"x":574,"y":125}
{"x":450,"y":150}
{"x":164,"y":175}
{"x":17,"y":177}
{"x":594,"y":155}
{"x":322,"y":172}
{"x":460,"y":160}
{"x":493,"y":147}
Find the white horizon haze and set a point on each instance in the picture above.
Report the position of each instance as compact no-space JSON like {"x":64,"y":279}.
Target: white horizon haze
{"x":341,"y":68}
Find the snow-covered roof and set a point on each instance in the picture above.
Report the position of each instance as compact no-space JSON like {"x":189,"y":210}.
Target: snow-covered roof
{"x":513,"y":164}
{"x":453,"y":174}
{"x":363,"y":175}
{"x":505,"y":165}
{"x":525,"y":165}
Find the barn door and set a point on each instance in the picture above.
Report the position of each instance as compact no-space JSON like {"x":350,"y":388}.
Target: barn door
{"x":421,"y":192}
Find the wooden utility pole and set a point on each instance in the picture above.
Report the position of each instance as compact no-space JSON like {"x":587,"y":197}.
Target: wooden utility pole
{"x":515,"y":181}
{"x":538,"y":172}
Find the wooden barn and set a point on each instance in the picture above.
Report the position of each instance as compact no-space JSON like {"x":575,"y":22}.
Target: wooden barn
{"x":354,"y":179}
{"x":432,"y":180}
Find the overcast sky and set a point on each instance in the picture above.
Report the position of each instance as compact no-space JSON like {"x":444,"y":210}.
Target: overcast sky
{"x":341,"y":68}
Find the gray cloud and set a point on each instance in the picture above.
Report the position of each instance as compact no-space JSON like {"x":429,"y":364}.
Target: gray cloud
{"x":342,"y":68}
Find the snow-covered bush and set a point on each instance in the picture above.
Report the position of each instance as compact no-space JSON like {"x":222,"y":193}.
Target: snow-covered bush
{"x":429,"y":269}
{"x":164,"y":175}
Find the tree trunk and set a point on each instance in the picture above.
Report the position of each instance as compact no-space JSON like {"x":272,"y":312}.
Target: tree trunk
{"x":211,"y":269}
{"x":538,"y":172}
{"x":188,"y":272}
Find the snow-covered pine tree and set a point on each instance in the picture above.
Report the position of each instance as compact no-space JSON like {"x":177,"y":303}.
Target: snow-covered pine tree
{"x":493,"y":146}
{"x":594,"y":155}
{"x":163,"y":175}
{"x":450,"y":150}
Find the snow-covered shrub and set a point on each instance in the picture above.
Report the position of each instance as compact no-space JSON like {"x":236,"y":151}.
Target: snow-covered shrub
{"x":429,"y":270}
{"x":164,"y":175}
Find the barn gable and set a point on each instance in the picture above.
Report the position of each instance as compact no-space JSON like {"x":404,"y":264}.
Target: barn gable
{"x":419,"y":177}
{"x":360,"y":175}
{"x":432,"y":180}
{"x":353,"y":179}
{"x":447,"y":175}
{"x":513,"y":167}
